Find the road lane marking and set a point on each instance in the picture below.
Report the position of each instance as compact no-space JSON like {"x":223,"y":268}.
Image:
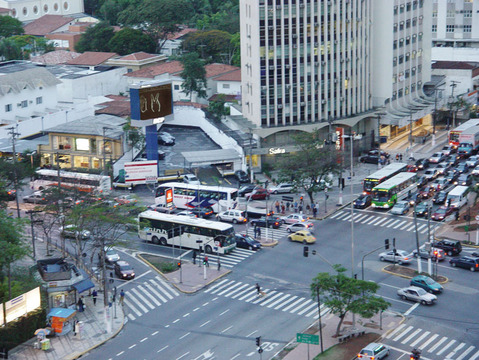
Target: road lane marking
{"x":188,"y":333}
{"x":465,"y":353}
{"x":252,"y":333}
{"x":449,"y":344}
{"x":437,"y":344}
{"x":406,"y":340}
{"x":153,"y":334}
{"x":163,"y":348}
{"x":285,"y":302}
{"x":174,"y":322}
{"x":453,"y":352}
{"x":403,"y":333}
{"x":430,"y":340}
{"x":182,"y":356}
{"x":144,"y":339}
{"x":411,"y":309}
{"x":136,"y":279}
{"x":419,"y":339}
{"x":475,"y":356}
{"x":225,"y":330}
{"x":293,"y":304}
{"x":391,"y":334}
{"x":205,"y":323}
{"x":140,"y":296}
{"x":132,"y":346}
{"x":224,"y":312}
{"x":187,"y":314}
{"x":394,"y":287}
{"x":120,"y":353}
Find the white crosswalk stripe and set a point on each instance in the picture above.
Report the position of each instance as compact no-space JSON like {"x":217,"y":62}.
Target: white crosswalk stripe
{"x":236,"y":256}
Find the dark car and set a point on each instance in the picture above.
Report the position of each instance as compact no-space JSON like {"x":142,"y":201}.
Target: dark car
{"x":370,"y":159}
{"x":452,"y":176}
{"x":274,"y":222}
{"x":422,"y":209}
{"x":363,"y":201}
{"x":427,"y":284}
{"x":161,"y":155}
{"x":247,"y":242}
{"x":462,"y":168}
{"x":465,"y":262}
{"x":464,"y":180}
{"x":421,"y":181}
{"x":246,"y":189}
{"x":450,"y":247}
{"x":422,"y":164}
{"x":8,"y":194}
{"x":426,"y":192}
{"x":375,"y":152}
{"x":124,"y":270}
{"x":241,"y":176}
{"x":442,"y":212}
{"x":452,"y":160}
{"x":202,"y":212}
{"x":415,"y":198}
{"x":165,"y":138}
{"x":258,"y":194}
{"x":440,"y":197}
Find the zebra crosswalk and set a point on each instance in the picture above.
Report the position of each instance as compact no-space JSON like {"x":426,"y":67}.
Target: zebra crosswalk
{"x":229,"y":260}
{"x":440,"y":347}
{"x":402,"y":224}
{"x":276,"y":300}
{"x":148,"y":296}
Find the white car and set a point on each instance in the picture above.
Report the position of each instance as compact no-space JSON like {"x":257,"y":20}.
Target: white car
{"x":71,"y":232}
{"x":473,"y":161}
{"x":447,"y":150}
{"x":417,"y":294}
{"x":234,"y":216}
{"x":191,"y":179}
{"x":294,"y":218}
{"x":281,"y":188}
{"x":437,"y":157}
{"x":475,"y":171}
{"x":401,"y":208}
{"x":400,"y":256}
{"x":186,"y":213}
{"x":430,"y":174}
{"x":111,"y":255}
{"x":300,"y":226}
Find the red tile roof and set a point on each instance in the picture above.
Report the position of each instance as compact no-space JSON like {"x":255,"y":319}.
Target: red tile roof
{"x":55,"y":57}
{"x":46,"y":24}
{"x":120,"y":106}
{"x":172,"y":68}
{"x":459,"y":65}
{"x":216,"y":69}
{"x":181,"y":33}
{"x":138,"y":56}
{"x":92,"y":58}
{"x":231,"y":76}
{"x":4,"y":10}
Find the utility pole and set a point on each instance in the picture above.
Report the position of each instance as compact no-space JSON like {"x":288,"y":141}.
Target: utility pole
{"x":419,"y":265}
{"x":14,"y":135}
{"x":250,"y":155}
{"x":453,"y":86}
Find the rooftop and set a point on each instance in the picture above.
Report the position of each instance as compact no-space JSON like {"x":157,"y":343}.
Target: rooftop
{"x":46,"y":24}
{"x":458,"y":65}
{"x":92,"y":58}
{"x":93,"y":126}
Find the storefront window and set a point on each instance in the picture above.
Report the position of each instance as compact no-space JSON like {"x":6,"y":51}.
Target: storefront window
{"x":95,"y":163}
{"x":82,"y":162}
{"x":59,"y":300}
{"x":62,"y":142}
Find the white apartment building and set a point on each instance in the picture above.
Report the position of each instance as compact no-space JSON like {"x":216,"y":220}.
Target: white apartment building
{"x":28,"y":10}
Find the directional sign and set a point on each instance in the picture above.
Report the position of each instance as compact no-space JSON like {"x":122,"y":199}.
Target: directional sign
{"x":307,"y":338}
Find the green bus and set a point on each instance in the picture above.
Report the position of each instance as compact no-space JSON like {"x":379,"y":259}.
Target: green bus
{"x":386,"y":194}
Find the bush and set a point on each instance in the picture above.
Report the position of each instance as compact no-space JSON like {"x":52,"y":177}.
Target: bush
{"x":23,"y":329}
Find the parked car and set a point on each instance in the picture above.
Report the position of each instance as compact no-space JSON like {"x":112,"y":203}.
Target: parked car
{"x":302,"y":236}
{"x":272,"y":221}
{"x":161,"y":155}
{"x":71,"y":231}
{"x":36,"y":198}
{"x":124,"y":270}
{"x":473,"y":161}
{"x":374,"y":351}
{"x":247,"y":242}
{"x":465,"y":262}
{"x":245,"y":189}
{"x":369,"y":159}
{"x":242,"y":176}
{"x":426,"y":283}
{"x":417,"y":294}
{"x":401,"y":208}
{"x":111,"y":255}
{"x":299,"y":226}
{"x":442,"y":212}
{"x":399,"y":256}
{"x":363,"y":201}
{"x":294,"y":218}
{"x":437,"y":157}
{"x":464,"y":180}
{"x":450,"y":247}
{"x":9,"y":194}
{"x":448,"y":150}
{"x":434,"y":254}
{"x":281,"y":188}
{"x":422,"y":210}
{"x":258,"y":194}
{"x":377,"y":152}
{"x":440,"y":197}
{"x":234,"y":216}
{"x":191,"y":179}
{"x":422,"y":164}
{"x":165,"y":138}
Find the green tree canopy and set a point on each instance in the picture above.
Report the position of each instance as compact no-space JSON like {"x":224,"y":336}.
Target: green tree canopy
{"x":111,"y":9}
{"x":224,"y":16}
{"x":96,"y":38}
{"x":217,"y":107}
{"x":344,"y":294}
{"x":10,"y":50}
{"x":193,"y":74}
{"x":128,"y":40}
{"x":213,"y":45}
{"x":10,"y":26}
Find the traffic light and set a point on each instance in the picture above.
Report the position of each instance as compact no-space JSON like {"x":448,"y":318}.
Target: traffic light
{"x":258,"y":341}
{"x":179,"y":264}
{"x":394,"y":243}
{"x":386,"y":244}
{"x":306,"y":251}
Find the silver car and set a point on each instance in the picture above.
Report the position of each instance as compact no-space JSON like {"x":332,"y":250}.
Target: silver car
{"x":281,"y":188}
{"x":417,"y":294}
{"x":71,"y":231}
{"x":399,"y":256}
{"x":401,"y":208}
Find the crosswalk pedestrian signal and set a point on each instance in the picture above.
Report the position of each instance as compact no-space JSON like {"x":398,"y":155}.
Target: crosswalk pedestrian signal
{"x":258,"y":341}
{"x":179,"y":264}
{"x":386,"y":244}
{"x":306,"y":251}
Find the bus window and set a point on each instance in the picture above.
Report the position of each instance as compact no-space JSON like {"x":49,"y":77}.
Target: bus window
{"x":160,"y":191}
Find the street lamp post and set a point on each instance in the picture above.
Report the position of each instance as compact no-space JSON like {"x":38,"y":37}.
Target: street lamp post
{"x":104,"y":150}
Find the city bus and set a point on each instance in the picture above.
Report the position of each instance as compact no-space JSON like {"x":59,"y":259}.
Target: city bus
{"x":382,"y":175}
{"x":454,"y":134}
{"x":91,"y":183}
{"x":185,"y":196}
{"x":385,"y":195}
{"x":186,"y":232}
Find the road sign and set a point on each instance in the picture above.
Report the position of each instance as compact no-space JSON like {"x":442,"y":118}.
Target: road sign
{"x":477,"y":217}
{"x":307,"y":338}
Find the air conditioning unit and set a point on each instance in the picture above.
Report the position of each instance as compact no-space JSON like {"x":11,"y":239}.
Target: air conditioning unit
{"x":303,"y":103}
{"x":341,"y":99}
{"x":264,"y":87}
{"x":295,"y":36}
{"x":271,"y":67}
{"x":342,"y":60}
{"x":316,"y":24}
{"x":316,"y":64}
{"x":280,"y":106}
{"x":335,"y":81}
{"x":295,"y":46}
{"x":287,"y":66}
{"x":316,"y":44}
{"x":278,"y":7}
{"x":348,"y":21}
{"x":288,"y":87}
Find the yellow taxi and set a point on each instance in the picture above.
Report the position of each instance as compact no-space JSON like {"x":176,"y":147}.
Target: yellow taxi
{"x":302,"y":236}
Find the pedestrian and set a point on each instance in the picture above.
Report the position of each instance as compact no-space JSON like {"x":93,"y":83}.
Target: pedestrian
{"x":194,"y":257}
{"x":206,"y":261}
{"x":259,"y":232}
{"x":400,"y":157}
{"x":287,"y":205}
{"x":448,"y":202}
{"x":122,"y":297}
{"x":389,"y":162}
{"x":397,"y":157}
{"x":276,"y":205}
{"x":94,"y":294}
{"x":300,"y":208}
{"x":255,"y":231}
{"x":457,"y":215}
{"x":315,"y":210}
{"x":283,"y":208}
{"x":295,"y":206}
{"x":81,"y":305}
{"x":258,"y":289}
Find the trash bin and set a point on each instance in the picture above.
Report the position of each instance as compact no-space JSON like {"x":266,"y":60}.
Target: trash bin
{"x":45,"y":344}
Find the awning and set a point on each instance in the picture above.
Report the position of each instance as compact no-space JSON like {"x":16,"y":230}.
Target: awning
{"x":83,"y":285}
{"x":62,"y":313}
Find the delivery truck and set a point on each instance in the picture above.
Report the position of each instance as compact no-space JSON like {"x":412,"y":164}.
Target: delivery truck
{"x":468,"y":142}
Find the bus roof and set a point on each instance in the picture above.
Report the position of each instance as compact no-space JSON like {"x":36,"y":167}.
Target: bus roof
{"x":198,"y":187}
{"x":458,"y":190}
{"x":386,"y":171}
{"x":467,"y":125}
{"x":185,"y":220}
{"x":71,"y":174}
{"x":395,"y":180}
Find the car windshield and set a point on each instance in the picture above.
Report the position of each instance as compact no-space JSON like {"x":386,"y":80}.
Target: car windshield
{"x":125,"y":267}
{"x":111,"y":252}
{"x":367,"y":352}
{"x":430,"y":281}
{"x":441,"y":211}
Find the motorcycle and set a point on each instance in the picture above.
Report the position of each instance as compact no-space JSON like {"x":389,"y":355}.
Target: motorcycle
{"x":415,"y":354}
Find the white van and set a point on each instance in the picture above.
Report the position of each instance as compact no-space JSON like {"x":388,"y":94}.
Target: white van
{"x":191,"y":179}
{"x":457,"y":197}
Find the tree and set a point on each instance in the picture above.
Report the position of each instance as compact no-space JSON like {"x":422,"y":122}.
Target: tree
{"x":96,"y":38}
{"x":92,"y":6}
{"x":135,"y":137}
{"x":158,"y":18}
{"x":10,"y":26}
{"x":10,"y":50}
{"x":236,"y":49}
{"x":217,"y":107}
{"x":224,"y":17}
{"x":128,"y":40}
{"x":214,"y":45}
{"x":111,"y":9}
{"x":343,"y":294}
{"x":32,"y":44}
{"x":194,"y":75}
{"x":311,"y":165}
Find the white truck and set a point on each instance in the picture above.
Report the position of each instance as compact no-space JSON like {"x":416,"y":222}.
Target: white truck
{"x":468,"y":141}
{"x":137,"y":173}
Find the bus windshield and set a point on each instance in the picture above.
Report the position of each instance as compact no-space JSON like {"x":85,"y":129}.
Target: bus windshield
{"x":369,"y":184}
{"x":380,"y":195}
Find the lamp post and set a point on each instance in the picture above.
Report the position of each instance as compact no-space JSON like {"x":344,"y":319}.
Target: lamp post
{"x":32,"y":222}
{"x":104,"y":150}
{"x":13,"y":132}
{"x":379,"y":128}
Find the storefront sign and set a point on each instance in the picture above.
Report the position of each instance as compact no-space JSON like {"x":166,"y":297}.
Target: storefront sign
{"x":339,"y":138}
{"x":169,"y":196}
{"x":274,"y":151}
{"x":21,"y":305}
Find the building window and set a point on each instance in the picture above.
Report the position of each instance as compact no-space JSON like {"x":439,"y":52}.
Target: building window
{"x":226,"y":86}
{"x":35,"y":9}
{"x":467,"y":28}
{"x":55,"y":7}
{"x":395,"y":61}
{"x":450,"y":13}
{"x":45,"y":9}
{"x":434,"y":13}
{"x":449,"y":28}
{"x":468,"y":13}
{"x":408,"y":6}
{"x":401,"y":59}
{"x":400,"y":91}
{"x":408,"y":24}
{"x":395,"y":44}
{"x":176,"y":87}
{"x":39,"y":100}
{"x":8,"y":107}
{"x":65,"y":5}
{"x":434,"y":28}
{"x":24,"y":103}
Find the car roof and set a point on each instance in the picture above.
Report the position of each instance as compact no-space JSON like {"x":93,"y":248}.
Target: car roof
{"x":372,"y":346}
{"x":122,"y":263}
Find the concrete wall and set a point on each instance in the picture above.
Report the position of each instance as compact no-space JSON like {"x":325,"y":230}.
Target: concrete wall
{"x":454,"y":54}
{"x":25,"y":10}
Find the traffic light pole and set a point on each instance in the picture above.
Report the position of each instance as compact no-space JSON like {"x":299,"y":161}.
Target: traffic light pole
{"x":369,"y":253}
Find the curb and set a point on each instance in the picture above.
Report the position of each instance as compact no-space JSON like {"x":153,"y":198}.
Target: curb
{"x":410,"y":277}
{"x":400,"y":323}
{"x":270,"y":244}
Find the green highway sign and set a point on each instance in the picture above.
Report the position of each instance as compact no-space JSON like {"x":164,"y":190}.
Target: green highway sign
{"x":307,"y":338}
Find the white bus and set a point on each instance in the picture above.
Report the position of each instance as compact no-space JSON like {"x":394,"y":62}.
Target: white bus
{"x":382,"y":175}
{"x":186,"y":196}
{"x":92,"y":183}
{"x":457,"y":197}
{"x":187,"y":232}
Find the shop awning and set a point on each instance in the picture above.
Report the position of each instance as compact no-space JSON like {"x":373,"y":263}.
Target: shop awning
{"x":62,"y":313}
{"x":83,"y":285}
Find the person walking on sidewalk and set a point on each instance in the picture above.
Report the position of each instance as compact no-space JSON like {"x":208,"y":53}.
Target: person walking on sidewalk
{"x":259,"y":232}
{"x":315,"y":210}
{"x":276,"y":205}
{"x":206,"y":261}
{"x":283,"y":208}
{"x":94,"y":294}
{"x":122,"y":297}
{"x":81,"y":305}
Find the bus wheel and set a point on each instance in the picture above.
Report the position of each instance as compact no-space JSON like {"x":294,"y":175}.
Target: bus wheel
{"x":163,"y":241}
{"x":208,"y":249}
{"x":155,"y":240}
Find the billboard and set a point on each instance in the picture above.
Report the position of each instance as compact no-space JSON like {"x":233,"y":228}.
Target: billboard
{"x":151,"y":101}
{"x":141,"y":171}
{"x":21,"y":305}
